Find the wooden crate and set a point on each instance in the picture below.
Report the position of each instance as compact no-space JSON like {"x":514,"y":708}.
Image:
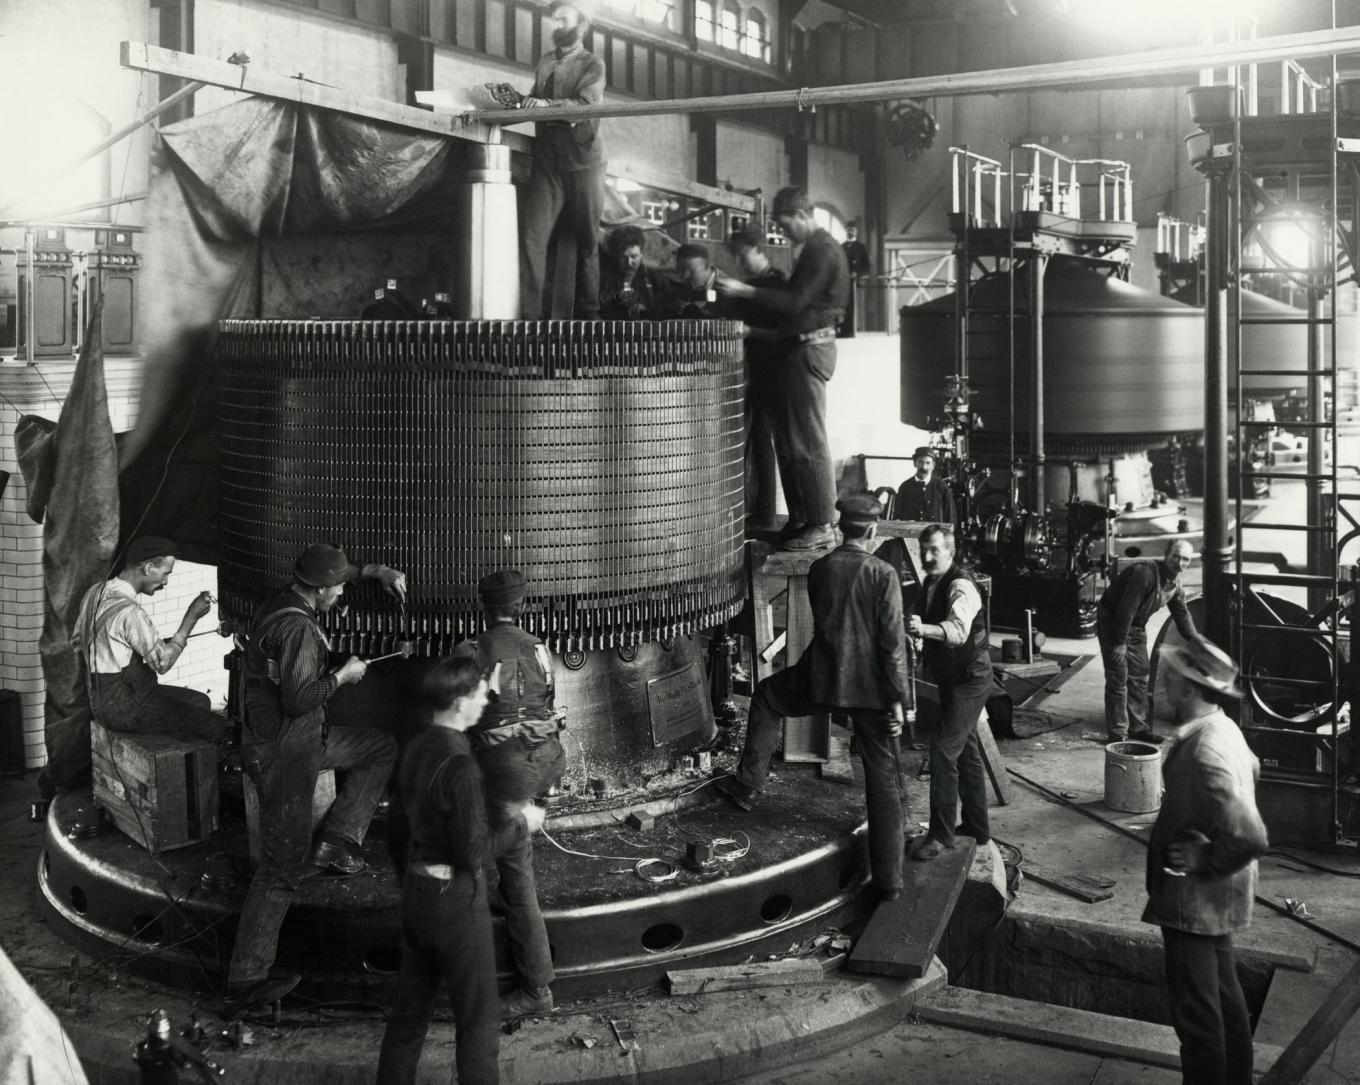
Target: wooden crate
{"x":159,"y":789}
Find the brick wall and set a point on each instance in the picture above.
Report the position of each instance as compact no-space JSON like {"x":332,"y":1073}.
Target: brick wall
{"x":40,"y":389}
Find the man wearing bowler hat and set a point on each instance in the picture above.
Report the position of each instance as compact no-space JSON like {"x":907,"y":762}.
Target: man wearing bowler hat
{"x":1201,"y":864}
{"x":925,"y":497}
{"x":516,"y":746}
{"x":285,"y":744}
{"x":124,"y":653}
{"x":856,"y":662}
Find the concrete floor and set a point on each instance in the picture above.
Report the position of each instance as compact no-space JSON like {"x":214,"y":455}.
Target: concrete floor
{"x":1068,"y":756}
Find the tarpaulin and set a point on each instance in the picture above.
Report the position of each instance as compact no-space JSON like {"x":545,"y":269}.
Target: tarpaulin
{"x":266,"y":209}
{"x":72,"y":472}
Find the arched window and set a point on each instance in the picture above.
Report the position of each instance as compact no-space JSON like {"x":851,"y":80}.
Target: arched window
{"x":729,"y":28}
{"x":704,"y":29}
{"x":755,"y":43}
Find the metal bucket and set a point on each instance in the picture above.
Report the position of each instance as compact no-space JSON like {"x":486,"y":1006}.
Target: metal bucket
{"x":1133,"y":777}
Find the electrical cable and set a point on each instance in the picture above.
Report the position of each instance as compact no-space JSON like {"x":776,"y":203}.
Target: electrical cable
{"x":1281,"y":909}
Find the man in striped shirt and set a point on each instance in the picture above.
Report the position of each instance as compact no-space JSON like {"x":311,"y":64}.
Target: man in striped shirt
{"x":286,"y":743}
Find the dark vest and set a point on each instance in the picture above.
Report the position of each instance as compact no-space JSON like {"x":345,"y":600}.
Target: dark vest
{"x":948,"y":666}
{"x":525,"y":692}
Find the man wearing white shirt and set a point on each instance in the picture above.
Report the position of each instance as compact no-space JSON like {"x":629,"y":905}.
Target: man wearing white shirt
{"x":124,"y":653}
{"x":950,"y":621}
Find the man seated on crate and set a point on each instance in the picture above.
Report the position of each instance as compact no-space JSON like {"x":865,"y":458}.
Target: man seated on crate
{"x":124,"y":652}
{"x":286,"y":742}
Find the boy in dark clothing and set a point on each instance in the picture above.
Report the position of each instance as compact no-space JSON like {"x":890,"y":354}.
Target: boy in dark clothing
{"x":445,"y":921}
{"x":516,"y":745}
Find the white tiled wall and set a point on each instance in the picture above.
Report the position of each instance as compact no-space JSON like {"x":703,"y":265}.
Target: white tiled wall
{"x":39,"y":390}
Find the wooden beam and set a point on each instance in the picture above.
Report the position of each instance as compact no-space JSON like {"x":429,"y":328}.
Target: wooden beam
{"x":252,"y":79}
{"x":654,"y":178}
{"x":1129,"y":69}
{"x":1318,"y":1034}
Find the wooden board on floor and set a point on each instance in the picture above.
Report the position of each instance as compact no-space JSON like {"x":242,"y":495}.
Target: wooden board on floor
{"x":902,"y":935}
{"x":1061,"y":1026}
{"x":1318,"y":1033}
{"x":1087,"y":890}
{"x":788,"y":972}
{"x":993,"y":763}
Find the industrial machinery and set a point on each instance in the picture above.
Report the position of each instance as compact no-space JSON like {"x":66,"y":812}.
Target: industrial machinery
{"x":1283,"y":208}
{"x":1047,"y":346}
{"x":605,"y":461}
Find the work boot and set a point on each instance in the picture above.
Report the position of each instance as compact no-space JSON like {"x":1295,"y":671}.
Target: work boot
{"x":1148,"y":735}
{"x":790,"y":529}
{"x":738,"y":793}
{"x":263,"y":992}
{"x":812,"y":537}
{"x":522,"y":1002}
{"x":340,"y":858}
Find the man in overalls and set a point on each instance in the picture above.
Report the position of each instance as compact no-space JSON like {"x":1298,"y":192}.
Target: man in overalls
{"x":124,"y":652}
{"x":285,"y":744}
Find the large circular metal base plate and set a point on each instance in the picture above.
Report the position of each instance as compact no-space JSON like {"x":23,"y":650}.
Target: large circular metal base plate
{"x":174,"y":915}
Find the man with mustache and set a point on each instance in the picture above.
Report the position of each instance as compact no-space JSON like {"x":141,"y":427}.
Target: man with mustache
{"x":949,"y":619}
{"x":567,"y":176}
{"x":124,"y":652}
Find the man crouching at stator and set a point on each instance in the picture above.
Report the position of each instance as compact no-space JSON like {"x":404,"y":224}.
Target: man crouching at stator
{"x":445,"y":920}
{"x":516,"y":745}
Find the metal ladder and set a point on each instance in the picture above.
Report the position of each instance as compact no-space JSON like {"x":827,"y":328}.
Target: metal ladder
{"x":1288,"y":626}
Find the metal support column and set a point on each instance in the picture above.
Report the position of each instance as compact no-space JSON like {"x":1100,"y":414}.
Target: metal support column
{"x":1218,"y":544}
{"x":1038,"y":265}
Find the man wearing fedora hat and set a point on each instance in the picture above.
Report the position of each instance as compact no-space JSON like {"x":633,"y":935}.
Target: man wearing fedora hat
{"x":924,"y":496}
{"x":856,"y":662}
{"x":1201,"y":864}
{"x":516,"y":745}
{"x":124,"y":653}
{"x":286,"y":743}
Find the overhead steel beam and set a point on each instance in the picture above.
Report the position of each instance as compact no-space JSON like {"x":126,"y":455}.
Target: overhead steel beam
{"x":254,"y":80}
{"x":1127,"y":69}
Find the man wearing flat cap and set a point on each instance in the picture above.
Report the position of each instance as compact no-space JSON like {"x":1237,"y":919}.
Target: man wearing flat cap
{"x":516,"y":746}
{"x":1201,"y":863}
{"x":286,"y":743}
{"x":857,"y":663}
{"x":924,"y":497}
{"x":124,"y":653}
{"x":566,"y":177}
